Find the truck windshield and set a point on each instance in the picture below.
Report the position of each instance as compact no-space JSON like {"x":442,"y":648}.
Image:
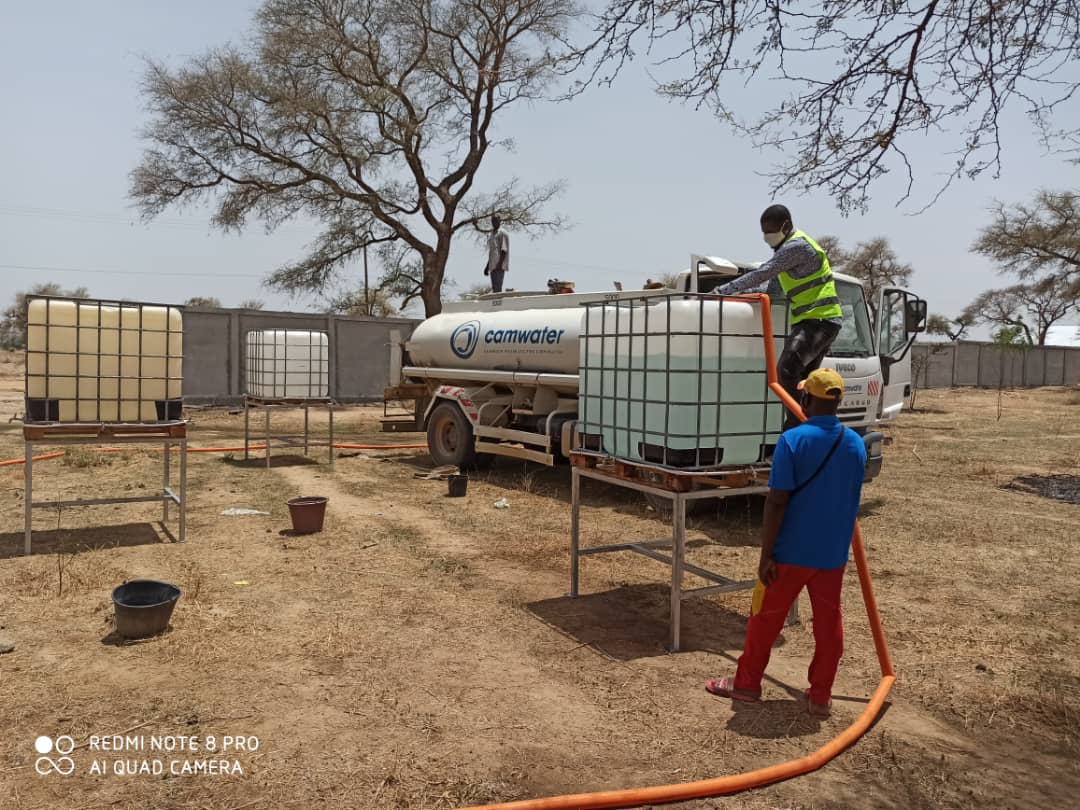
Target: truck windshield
{"x":854,"y":339}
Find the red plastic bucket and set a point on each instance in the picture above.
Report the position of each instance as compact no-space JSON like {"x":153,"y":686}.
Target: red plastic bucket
{"x":307,"y":513}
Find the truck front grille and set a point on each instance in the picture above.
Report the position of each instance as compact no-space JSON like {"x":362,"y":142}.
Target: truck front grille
{"x":851,"y":414}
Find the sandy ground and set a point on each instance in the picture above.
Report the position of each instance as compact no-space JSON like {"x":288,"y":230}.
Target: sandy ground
{"x":421,"y":652}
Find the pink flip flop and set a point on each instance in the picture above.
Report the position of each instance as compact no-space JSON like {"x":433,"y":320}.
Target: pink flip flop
{"x":725,"y":687}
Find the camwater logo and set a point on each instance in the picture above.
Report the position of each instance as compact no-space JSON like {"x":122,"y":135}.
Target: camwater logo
{"x":463,"y":340}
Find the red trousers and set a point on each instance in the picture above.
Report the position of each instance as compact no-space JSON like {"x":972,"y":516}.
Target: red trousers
{"x":764,"y":627}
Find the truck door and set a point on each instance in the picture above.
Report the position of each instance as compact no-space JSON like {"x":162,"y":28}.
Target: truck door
{"x":901,"y":315}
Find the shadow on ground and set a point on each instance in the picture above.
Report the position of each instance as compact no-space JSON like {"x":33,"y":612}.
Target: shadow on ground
{"x":631,"y":622}
{"x":870,"y":506}
{"x":95,"y":538}
{"x":283,"y":460}
{"x":772,"y":719}
{"x":733,"y":521}
{"x":114,"y":639}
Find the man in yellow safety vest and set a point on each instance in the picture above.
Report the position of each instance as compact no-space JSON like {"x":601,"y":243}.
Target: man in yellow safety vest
{"x":802,"y":268}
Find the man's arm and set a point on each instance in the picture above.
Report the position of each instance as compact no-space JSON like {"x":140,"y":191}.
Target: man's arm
{"x":775,"y":508}
{"x":795,"y":256}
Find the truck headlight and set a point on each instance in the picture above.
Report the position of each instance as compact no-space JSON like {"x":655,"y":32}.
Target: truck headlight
{"x":875,"y":447}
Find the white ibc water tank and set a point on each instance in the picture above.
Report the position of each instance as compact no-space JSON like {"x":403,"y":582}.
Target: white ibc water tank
{"x":287,"y":364}
{"x":95,"y":361}
{"x":540,"y":340}
{"x":679,"y":381}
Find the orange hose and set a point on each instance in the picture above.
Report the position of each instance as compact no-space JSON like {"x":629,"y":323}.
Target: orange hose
{"x":705,"y":788}
{"x":381,"y":446}
{"x":46,"y":457}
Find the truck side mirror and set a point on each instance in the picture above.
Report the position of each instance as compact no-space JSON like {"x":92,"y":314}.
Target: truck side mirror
{"x":914,"y":315}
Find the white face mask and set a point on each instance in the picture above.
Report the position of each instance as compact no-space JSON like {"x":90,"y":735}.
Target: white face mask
{"x":773,"y":238}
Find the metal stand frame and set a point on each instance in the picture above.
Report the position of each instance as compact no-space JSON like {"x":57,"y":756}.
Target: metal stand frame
{"x":676,"y":544}
{"x":265,"y":404}
{"x":175,"y":435}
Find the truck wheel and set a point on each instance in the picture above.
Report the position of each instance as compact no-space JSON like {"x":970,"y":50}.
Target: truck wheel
{"x":450,"y":437}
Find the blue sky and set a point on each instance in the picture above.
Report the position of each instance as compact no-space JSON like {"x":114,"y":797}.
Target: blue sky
{"x":648,"y":182}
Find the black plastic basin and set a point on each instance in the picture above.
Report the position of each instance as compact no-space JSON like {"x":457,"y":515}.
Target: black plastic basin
{"x":144,"y":607}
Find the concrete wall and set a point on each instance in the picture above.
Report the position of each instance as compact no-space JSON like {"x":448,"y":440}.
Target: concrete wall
{"x":944,"y":365}
{"x":215,"y":346}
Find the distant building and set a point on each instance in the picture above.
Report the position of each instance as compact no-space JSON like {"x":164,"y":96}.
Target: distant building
{"x":1063,"y":334}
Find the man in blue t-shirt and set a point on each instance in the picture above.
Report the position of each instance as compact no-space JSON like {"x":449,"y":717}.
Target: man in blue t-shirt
{"x":814,"y":491}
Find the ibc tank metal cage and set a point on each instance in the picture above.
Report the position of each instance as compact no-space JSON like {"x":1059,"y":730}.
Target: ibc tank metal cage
{"x":679,"y":381}
{"x":102,"y":361}
{"x":287,"y":364}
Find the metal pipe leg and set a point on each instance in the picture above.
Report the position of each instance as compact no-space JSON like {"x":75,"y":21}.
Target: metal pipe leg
{"x":247,"y":427}
{"x":575,"y":527}
{"x":28,"y":497}
{"x":678,"y":512}
{"x":165,"y":483}
{"x":306,"y":442}
{"x":331,"y":441}
{"x":183,"y":489}
{"x":267,"y":409}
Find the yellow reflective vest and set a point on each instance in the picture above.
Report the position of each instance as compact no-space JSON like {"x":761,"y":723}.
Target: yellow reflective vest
{"x":813,"y":297}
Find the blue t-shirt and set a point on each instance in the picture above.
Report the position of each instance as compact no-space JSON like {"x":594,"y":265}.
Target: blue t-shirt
{"x":820,"y":518}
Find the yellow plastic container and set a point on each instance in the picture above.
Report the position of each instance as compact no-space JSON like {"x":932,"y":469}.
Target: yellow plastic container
{"x":89,"y":361}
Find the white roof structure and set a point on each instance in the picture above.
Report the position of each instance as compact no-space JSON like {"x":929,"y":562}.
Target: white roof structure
{"x":1063,"y":334}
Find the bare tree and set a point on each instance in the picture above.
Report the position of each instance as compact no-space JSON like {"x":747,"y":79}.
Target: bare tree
{"x":377,"y":302}
{"x":13,"y":320}
{"x":831,"y":245}
{"x":252,"y":303}
{"x":371,"y":116}
{"x":1037,"y":240}
{"x":873,"y":262}
{"x":952,"y":328}
{"x":203,"y":302}
{"x":475,"y":291}
{"x":1025,"y":312}
{"x":861,"y":81}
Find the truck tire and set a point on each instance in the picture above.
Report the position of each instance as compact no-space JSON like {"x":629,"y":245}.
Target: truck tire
{"x":450,"y":437}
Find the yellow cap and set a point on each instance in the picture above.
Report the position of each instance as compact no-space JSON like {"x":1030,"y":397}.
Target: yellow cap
{"x":825,"y":383}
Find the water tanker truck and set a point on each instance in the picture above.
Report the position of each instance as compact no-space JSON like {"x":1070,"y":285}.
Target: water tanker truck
{"x":498,"y":375}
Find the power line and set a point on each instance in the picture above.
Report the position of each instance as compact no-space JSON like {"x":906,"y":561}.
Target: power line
{"x":94,"y":218}
{"x":107,"y":218}
{"x":146,"y":274}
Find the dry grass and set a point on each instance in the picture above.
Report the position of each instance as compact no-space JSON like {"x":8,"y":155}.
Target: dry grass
{"x":419,"y":652}
{"x":80,"y":456}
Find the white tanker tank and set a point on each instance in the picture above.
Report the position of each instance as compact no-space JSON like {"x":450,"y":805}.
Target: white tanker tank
{"x":542,"y":333}
{"x":540,"y":339}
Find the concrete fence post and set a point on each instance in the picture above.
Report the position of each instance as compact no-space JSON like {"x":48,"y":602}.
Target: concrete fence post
{"x":235,"y":350}
{"x":332,"y":363}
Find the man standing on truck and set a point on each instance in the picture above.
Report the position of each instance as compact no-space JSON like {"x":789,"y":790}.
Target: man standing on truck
{"x":814,"y":490}
{"x":498,"y":263}
{"x":802,"y":268}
